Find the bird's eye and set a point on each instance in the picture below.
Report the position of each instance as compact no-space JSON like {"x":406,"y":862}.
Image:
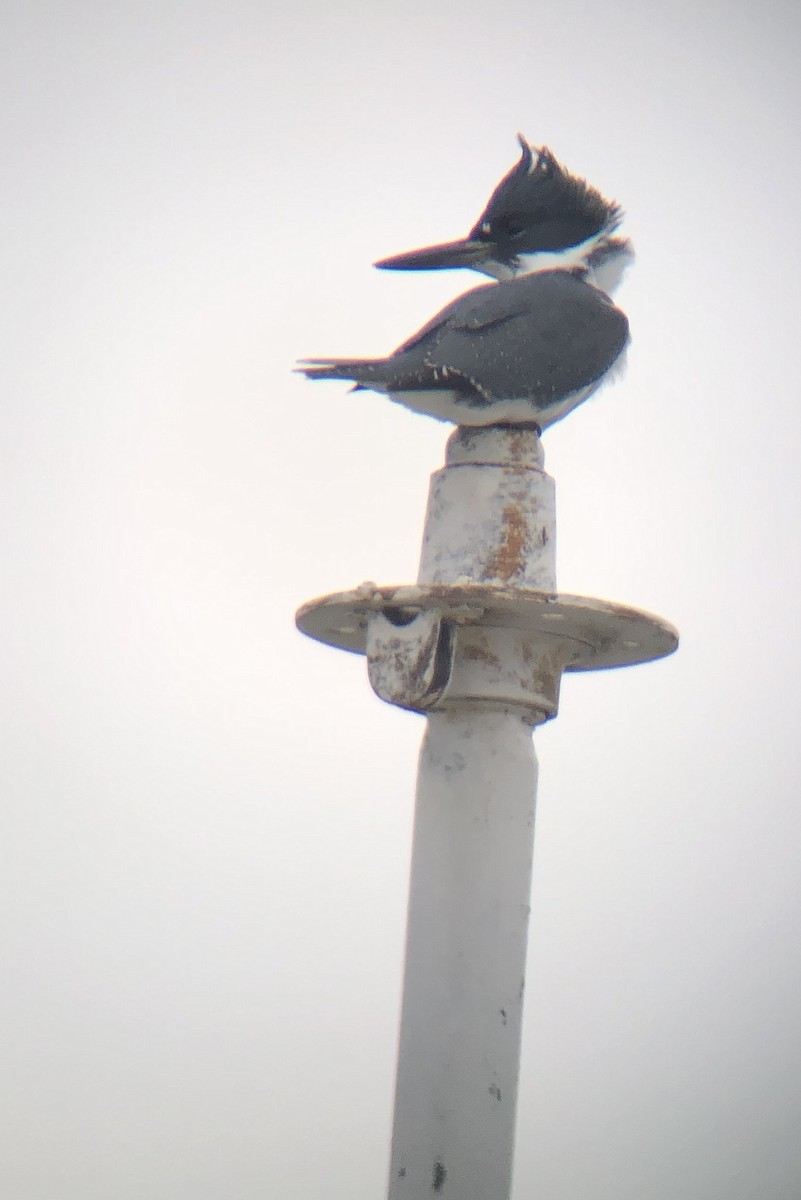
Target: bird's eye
{"x":486,"y":227}
{"x":515,"y":225}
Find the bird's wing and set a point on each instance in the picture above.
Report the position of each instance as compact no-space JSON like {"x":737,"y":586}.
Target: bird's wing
{"x":481,"y":307}
{"x":541,"y":336}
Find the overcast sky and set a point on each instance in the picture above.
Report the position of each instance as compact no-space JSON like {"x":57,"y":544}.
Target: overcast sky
{"x":206,"y":819}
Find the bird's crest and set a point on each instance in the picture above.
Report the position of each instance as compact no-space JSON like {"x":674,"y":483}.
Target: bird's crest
{"x":538,"y":196}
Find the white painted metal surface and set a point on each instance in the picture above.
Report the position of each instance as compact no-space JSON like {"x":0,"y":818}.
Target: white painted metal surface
{"x":490,"y":521}
{"x":466,"y":947}
{"x":491,"y":513}
{"x":479,"y":644}
{"x":595,"y":634}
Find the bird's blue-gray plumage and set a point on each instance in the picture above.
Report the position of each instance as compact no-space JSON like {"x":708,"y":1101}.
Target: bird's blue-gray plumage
{"x":523,"y":351}
{"x":538,"y":215}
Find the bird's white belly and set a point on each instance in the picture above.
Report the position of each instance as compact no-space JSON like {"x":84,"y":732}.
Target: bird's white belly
{"x":451,"y":406}
{"x":554,"y":412}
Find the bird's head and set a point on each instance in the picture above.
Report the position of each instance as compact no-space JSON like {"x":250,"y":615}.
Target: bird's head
{"x":538,"y":212}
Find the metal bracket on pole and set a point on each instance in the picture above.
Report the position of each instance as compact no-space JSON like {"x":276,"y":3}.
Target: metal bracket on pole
{"x":479,"y":645}
{"x":409,"y":657}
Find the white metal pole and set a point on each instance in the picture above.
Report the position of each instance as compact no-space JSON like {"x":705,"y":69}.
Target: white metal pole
{"x":479,"y":644}
{"x":460,"y":1034}
{"x":490,"y":520}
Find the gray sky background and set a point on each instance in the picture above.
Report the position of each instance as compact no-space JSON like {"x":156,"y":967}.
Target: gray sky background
{"x":206,"y":820}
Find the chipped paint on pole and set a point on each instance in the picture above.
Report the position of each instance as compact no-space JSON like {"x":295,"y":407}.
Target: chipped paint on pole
{"x":491,"y":513}
{"x":479,"y":645}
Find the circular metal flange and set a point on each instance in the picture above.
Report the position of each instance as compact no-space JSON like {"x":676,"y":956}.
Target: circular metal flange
{"x":598,"y":634}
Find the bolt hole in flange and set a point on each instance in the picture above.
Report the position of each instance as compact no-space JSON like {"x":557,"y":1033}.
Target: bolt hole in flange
{"x":399,"y":616}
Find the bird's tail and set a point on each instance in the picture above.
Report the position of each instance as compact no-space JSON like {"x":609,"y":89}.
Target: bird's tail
{"x":362,"y":370}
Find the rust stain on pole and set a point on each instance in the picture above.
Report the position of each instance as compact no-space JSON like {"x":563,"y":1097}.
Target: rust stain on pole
{"x":519,"y":443}
{"x":510,"y":559}
{"x":479,"y":651}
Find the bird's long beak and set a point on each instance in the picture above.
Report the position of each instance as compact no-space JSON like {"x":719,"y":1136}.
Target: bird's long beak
{"x":470,"y":252}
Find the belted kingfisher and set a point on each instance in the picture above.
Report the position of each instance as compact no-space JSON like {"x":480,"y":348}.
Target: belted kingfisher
{"x":524,"y":352}
{"x":539,"y":217}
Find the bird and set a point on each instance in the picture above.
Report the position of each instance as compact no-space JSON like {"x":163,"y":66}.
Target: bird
{"x":525,"y":351}
{"x":539,"y":217}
